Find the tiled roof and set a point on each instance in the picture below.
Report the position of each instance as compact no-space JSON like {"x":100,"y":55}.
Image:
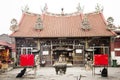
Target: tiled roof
{"x":3,"y":43}
{"x":62,"y":26}
{"x":6,"y":38}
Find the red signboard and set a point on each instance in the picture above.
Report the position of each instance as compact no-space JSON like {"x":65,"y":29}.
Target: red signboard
{"x":101,"y":60}
{"x":27,"y":60}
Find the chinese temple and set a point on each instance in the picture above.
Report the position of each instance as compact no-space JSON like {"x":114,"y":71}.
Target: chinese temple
{"x":72,"y":36}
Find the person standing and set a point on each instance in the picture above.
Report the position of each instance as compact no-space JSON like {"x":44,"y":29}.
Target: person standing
{"x":36,"y":67}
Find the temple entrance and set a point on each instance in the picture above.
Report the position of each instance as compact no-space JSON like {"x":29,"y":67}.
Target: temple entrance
{"x":63,"y":54}
{"x":68,"y":50}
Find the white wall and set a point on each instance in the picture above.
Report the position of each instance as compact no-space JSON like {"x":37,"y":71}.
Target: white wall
{"x":113,"y":57}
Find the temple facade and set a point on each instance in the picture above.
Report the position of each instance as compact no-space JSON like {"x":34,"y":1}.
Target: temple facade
{"x":76,"y":36}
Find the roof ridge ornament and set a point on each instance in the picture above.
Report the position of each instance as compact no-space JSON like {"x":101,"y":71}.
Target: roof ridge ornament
{"x":62,"y":11}
{"x":25,"y":9}
{"x":85,"y":23}
{"x":110,"y":25}
{"x":99,"y":8}
{"x":79,"y":9}
{"x":39,"y":24}
{"x":14,"y":25}
{"x":44,"y":10}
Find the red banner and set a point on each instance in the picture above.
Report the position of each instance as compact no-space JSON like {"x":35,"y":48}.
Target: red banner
{"x":101,"y":60}
{"x":27,"y":60}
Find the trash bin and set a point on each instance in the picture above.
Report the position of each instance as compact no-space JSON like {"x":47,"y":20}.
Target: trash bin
{"x":114,"y":63}
{"x":104,"y":72}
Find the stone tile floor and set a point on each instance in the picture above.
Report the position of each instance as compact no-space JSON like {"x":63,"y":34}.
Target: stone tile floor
{"x":72,"y":73}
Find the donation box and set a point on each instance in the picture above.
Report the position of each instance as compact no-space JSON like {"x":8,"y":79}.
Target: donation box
{"x":27,"y":60}
{"x":101,"y":60}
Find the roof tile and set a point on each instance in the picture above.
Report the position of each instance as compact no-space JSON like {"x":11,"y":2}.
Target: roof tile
{"x":62,"y":26}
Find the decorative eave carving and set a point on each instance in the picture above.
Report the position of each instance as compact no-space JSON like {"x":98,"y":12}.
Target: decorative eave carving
{"x":85,"y":24}
{"x":39,"y":24}
{"x":110,"y":25}
{"x":14,"y":25}
{"x":110,"y":20}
